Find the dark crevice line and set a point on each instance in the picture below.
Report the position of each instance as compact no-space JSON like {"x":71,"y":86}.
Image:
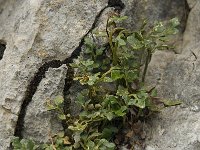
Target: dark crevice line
{"x":118,"y":5}
{"x":34,"y":83}
{"x":2,"y":48}
{"x":31,"y":89}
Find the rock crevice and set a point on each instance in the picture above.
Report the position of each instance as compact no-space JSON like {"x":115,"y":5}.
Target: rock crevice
{"x":39,"y":76}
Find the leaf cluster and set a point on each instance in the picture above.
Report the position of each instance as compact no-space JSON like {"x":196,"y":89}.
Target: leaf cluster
{"x":113,"y":85}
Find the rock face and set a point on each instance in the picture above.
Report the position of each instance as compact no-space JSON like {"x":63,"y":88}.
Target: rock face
{"x":39,"y":37}
{"x":178,"y":128}
{"x":154,"y":10}
{"x":36,"y":33}
{"x":192,"y":33}
{"x":175,"y":75}
{"x":191,"y":3}
{"x":39,"y":122}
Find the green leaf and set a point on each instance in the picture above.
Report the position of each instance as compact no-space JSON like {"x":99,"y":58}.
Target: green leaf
{"x":50,"y":107}
{"x":100,"y":51}
{"x":59,"y":141}
{"x":88,"y":42}
{"x":93,"y":79}
{"x":96,"y":65}
{"x":109,"y":116}
{"x":131,"y":75}
{"x":94,"y":135}
{"x":78,"y":126}
{"x":80,"y":99}
{"x":159,"y":27}
{"x":121,"y":91}
{"x":120,"y":41}
{"x":62,"y":117}
{"x":109,"y":144}
{"x":154,"y":93}
{"x":106,"y":145}
{"x":87,"y":63}
{"x":134,"y":42}
{"x":16,"y":143}
{"x":121,"y":112}
{"x":118,"y":18}
{"x":107,"y":79}
{"x":28,"y":144}
{"x":110,"y":99}
{"x":139,"y":99}
{"x":116,"y":74}
{"x":174,"y":22}
{"x":61,"y":134}
{"x":58,"y":100}
{"x":139,"y":36}
{"x":168,"y":102}
{"x":137,"y":102}
{"x":108,"y":132}
{"x":90,"y":145}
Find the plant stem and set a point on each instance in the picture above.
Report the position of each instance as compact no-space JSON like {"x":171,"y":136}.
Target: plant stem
{"x":148,"y":58}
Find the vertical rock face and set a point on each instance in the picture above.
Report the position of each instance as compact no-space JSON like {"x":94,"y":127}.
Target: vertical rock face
{"x":154,"y":10}
{"x":38,"y":121}
{"x":178,"y":128}
{"x":36,"y":33}
{"x":175,"y":75}
{"x":37,"y":39}
{"x":192,"y":33}
{"x":191,"y":3}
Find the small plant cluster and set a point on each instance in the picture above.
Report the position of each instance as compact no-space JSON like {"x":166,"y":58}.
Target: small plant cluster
{"x":112,"y":77}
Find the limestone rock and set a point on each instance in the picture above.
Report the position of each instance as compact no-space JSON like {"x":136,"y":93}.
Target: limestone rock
{"x":154,"y":10}
{"x":40,"y":34}
{"x":38,"y":121}
{"x":191,"y":3}
{"x":178,"y":127}
{"x":36,"y":32}
{"x":175,"y":128}
{"x":192,"y":32}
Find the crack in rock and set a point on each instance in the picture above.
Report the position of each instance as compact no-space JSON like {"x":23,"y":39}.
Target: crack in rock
{"x":31,"y":89}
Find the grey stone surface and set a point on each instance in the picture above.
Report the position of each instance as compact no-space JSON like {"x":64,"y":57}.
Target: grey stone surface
{"x":39,"y":123}
{"x":39,"y":31}
{"x":191,"y":3}
{"x":175,"y":128}
{"x":157,"y":10}
{"x":192,"y":32}
{"x":154,"y":10}
{"x":36,"y":31}
{"x":178,"y":128}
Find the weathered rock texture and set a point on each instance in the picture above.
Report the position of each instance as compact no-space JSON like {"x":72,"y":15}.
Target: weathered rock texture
{"x":36,"y":33}
{"x":41,"y":36}
{"x":178,"y":128}
{"x":45,"y":122}
{"x":192,"y":33}
{"x":154,"y":10}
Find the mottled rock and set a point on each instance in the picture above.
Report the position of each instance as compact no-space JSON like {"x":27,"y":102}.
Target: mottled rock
{"x":154,"y":10}
{"x":175,"y":128}
{"x":178,"y":128}
{"x":36,"y":32}
{"x":192,"y":32}
{"x":157,"y":66}
{"x":157,"y":10}
{"x":191,"y":3}
{"x":39,"y":122}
